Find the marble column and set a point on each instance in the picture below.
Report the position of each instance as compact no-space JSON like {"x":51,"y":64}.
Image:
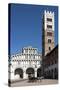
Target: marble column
{"x":35,"y":73}
{"x":25,"y":75}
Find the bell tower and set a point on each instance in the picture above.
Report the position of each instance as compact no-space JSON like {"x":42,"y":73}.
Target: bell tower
{"x":48,"y":32}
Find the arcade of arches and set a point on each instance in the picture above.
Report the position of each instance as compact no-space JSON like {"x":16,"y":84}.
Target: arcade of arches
{"x":29,"y":71}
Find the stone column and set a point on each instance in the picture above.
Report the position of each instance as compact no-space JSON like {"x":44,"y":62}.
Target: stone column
{"x":24,"y":75}
{"x":11,"y":72}
{"x":35,"y":73}
{"x":12,"y":77}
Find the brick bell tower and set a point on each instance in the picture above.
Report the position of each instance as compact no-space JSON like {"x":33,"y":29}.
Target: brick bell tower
{"x":48,"y":32}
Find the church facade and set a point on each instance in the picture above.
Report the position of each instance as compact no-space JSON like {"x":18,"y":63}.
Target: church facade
{"x":25,"y":63}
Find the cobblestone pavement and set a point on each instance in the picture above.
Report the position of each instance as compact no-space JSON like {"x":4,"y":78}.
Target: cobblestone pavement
{"x":42,"y":82}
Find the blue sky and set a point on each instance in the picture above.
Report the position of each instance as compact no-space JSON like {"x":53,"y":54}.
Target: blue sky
{"x":26,"y":26}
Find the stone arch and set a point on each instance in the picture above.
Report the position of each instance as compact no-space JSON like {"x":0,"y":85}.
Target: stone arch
{"x":30,"y":71}
{"x":19,"y":71}
{"x":39,"y":72}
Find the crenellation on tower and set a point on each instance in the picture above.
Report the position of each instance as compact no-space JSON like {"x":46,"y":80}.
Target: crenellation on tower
{"x":49,"y":12}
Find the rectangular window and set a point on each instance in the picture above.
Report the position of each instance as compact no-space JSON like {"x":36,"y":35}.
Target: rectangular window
{"x":49,"y":19}
{"x":49,"y":26}
{"x":49,"y":34}
{"x":49,"y":40}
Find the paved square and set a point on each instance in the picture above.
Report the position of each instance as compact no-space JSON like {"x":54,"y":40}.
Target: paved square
{"x":42,"y":82}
